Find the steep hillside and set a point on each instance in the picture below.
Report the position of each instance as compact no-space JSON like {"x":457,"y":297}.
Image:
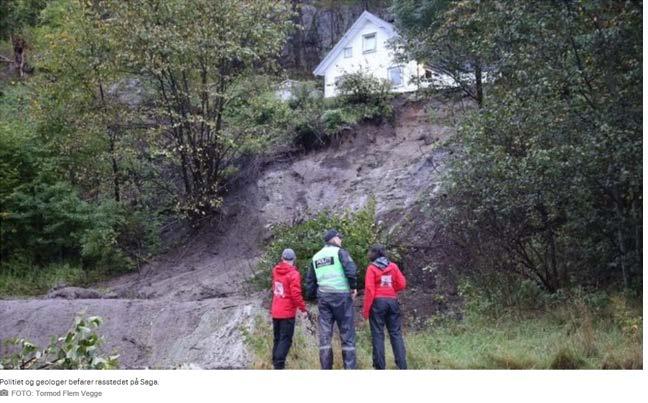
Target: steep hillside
{"x":188,"y":307}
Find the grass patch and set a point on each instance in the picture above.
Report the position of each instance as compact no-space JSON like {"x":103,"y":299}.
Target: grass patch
{"x":38,"y":280}
{"x":543,"y":340}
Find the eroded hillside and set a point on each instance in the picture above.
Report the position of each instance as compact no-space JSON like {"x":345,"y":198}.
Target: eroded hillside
{"x":190,"y":305}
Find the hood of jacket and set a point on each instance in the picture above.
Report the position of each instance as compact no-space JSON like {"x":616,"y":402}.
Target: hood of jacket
{"x":283,"y":268}
{"x":381,"y":263}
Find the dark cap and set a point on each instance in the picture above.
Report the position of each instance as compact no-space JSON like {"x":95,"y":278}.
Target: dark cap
{"x":330,"y":234}
{"x":288,"y":254}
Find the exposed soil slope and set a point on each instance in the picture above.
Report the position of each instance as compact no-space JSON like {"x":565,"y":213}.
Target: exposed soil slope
{"x":189,"y":306}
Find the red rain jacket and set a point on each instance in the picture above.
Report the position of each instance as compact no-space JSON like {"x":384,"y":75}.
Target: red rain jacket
{"x":383,"y":280}
{"x":287,"y":293}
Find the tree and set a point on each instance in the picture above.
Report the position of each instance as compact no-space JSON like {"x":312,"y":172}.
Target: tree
{"x":548,"y":180}
{"x":78,"y":65}
{"x":72,"y":189}
{"x":449,"y":36}
{"x":193,"y":53}
{"x":15,"y":17}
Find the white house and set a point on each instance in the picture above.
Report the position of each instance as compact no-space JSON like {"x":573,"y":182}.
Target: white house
{"x":364,"y":47}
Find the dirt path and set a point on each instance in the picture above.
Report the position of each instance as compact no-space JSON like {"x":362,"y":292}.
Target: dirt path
{"x":189,"y":306}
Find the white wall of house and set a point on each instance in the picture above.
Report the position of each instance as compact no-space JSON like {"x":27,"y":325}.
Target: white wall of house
{"x":366,"y":47}
{"x":377,"y":62}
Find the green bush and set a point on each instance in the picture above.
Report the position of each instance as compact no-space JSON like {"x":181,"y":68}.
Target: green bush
{"x":335,"y":119}
{"x":49,"y":222}
{"x":305,"y":96}
{"x":44,"y":221}
{"x":362,"y":97}
{"x":363,"y":88}
{"x":359,"y":229}
{"x":546,"y":177}
{"x":100,"y":243}
{"x":307,"y":104}
{"x":52,"y":228}
{"x":306,"y":120}
{"x":491,"y":295}
{"x":78,"y":349}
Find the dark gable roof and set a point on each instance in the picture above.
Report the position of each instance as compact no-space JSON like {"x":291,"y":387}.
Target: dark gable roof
{"x":346,"y":38}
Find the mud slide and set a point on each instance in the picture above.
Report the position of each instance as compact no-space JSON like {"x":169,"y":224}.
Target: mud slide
{"x":189,"y":307}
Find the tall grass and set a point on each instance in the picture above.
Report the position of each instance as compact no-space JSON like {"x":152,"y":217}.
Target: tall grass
{"x":34,"y":280}
{"x":572,"y":337}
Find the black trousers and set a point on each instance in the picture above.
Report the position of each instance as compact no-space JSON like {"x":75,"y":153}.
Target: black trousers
{"x":336,"y":308}
{"x":385,"y":312}
{"x":283,"y":330}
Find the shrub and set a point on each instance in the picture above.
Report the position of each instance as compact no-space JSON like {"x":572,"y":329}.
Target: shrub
{"x":43,"y":220}
{"x":364,"y":97}
{"x":309,"y":129}
{"x":78,"y":349}
{"x":257,"y":114}
{"x":335,"y":119}
{"x":53,"y":227}
{"x":305,"y":95}
{"x":118,"y":238}
{"x":630,"y":322}
{"x":306,"y":120}
{"x":362,"y":88}
{"x":359,"y":229}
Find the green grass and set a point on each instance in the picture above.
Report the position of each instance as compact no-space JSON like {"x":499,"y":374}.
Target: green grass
{"x":567,"y":338}
{"x":38,"y":280}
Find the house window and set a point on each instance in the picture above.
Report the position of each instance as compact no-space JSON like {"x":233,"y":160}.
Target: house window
{"x":395,"y":76}
{"x":348,"y":52}
{"x":369,"y":43}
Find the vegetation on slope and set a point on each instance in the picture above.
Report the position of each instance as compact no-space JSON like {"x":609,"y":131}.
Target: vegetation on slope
{"x":546,"y":183}
{"x":306,"y":238}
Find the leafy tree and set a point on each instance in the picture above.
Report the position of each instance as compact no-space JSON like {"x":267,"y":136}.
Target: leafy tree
{"x":452,"y":37}
{"x":548,"y":183}
{"x":16,"y":16}
{"x":78,"y":116}
{"x":68,"y":148}
{"x":193,"y":53}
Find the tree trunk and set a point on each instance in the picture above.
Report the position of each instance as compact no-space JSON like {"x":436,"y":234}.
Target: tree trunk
{"x":115,"y":167}
{"x":479,"y":91}
{"x":111,"y":149}
{"x":622,"y":248}
{"x":298,"y":37}
{"x":19,"y":48}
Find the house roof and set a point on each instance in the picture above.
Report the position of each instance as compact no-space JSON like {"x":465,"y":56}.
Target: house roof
{"x":348,"y":36}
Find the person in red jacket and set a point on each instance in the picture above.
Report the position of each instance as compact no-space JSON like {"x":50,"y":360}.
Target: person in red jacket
{"x":286,"y":300}
{"x":383,"y":282}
